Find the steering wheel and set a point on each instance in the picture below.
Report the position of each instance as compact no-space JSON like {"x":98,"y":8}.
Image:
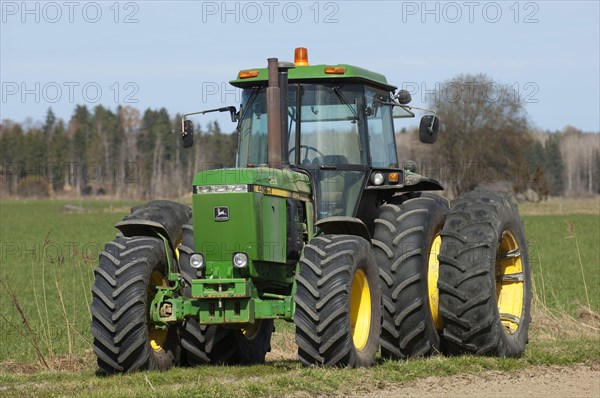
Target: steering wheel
{"x":307,"y":147}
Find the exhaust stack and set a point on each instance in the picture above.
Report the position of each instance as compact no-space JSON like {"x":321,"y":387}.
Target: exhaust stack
{"x":274,"y":115}
{"x":277,"y":113}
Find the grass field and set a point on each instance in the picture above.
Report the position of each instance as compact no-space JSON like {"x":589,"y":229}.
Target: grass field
{"x":47,"y":258}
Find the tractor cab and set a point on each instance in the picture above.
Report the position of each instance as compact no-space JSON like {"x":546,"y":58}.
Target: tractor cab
{"x":339,"y":129}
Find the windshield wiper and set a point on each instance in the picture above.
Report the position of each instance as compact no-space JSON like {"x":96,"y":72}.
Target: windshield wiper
{"x":243,"y":111}
{"x":340,"y":96}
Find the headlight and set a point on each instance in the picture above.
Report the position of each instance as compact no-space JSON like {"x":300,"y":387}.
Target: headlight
{"x":240,"y":260}
{"x":377,"y":178}
{"x":197,"y":261}
{"x":220,"y":188}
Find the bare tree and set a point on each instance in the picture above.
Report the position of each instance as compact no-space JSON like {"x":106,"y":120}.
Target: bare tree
{"x":131,"y":123}
{"x":580,"y":153}
{"x":483,"y":135}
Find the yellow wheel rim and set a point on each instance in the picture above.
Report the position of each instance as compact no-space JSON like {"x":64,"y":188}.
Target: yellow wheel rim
{"x":251,"y":331}
{"x":360,"y":309}
{"x":433,"y":273}
{"x":157,"y":336}
{"x":509,"y":282}
{"x":177,"y":244}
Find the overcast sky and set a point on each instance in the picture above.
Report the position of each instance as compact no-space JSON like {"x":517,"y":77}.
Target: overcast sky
{"x":181,"y":54}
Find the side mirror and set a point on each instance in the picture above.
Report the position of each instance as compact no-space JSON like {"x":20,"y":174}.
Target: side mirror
{"x":428,"y":129}
{"x":233,"y":113}
{"x":187,"y":135}
{"x":403,"y":97}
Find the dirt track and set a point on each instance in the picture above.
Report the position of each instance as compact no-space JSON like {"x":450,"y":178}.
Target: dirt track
{"x":564,"y":382}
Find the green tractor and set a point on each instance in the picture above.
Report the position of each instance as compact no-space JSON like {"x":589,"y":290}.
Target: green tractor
{"x":317,"y":225}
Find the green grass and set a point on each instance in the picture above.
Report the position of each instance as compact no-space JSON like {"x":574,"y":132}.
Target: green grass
{"x":554,"y":258}
{"x":279,"y":378}
{"x":42,"y":246}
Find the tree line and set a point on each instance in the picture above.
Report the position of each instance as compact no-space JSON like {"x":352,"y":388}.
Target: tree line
{"x":557,"y":163}
{"x":121,"y":153}
{"x":487,"y":140}
{"x":128,"y":154}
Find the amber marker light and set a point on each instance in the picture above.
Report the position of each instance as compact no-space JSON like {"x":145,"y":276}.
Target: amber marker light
{"x":394,"y":178}
{"x":246,"y":74}
{"x":335,"y":70}
{"x":301,"y":56}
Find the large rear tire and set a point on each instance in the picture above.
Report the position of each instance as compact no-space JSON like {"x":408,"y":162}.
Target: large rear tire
{"x":125,"y":340}
{"x":213,"y":344}
{"x":338,"y":303}
{"x":485,"y":277}
{"x":406,"y":242}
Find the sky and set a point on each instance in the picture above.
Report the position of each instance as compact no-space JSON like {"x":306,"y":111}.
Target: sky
{"x":180,"y":55}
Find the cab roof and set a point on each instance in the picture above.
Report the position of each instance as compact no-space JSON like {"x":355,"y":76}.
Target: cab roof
{"x":351,"y":74}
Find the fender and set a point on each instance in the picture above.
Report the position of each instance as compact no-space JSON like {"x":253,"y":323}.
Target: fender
{"x":344,"y":225}
{"x":162,"y":217}
{"x":415,"y":182}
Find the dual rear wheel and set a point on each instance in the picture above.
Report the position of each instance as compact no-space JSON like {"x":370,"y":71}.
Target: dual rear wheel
{"x":485,"y":277}
{"x":406,"y":243}
{"x":455,"y":280}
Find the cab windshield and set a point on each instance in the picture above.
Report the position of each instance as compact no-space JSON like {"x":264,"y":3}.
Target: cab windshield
{"x":325,"y":125}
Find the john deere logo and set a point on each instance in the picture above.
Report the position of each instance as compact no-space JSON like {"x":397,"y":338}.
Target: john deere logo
{"x":221,"y":213}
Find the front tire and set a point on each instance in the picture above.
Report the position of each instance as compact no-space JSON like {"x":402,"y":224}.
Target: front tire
{"x":338,"y":303}
{"x":485,"y":277}
{"x":125,"y":339}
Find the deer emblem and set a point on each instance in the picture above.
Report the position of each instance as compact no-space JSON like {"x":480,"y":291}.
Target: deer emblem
{"x":221,"y":213}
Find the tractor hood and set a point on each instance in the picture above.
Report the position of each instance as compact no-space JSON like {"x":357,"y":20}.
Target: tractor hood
{"x":250,"y":210}
{"x":264,"y":180}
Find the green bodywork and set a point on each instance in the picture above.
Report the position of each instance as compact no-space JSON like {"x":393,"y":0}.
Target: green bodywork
{"x":256,"y":226}
{"x":317,"y":72}
{"x":263,"y":205}
{"x":265,"y":176}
